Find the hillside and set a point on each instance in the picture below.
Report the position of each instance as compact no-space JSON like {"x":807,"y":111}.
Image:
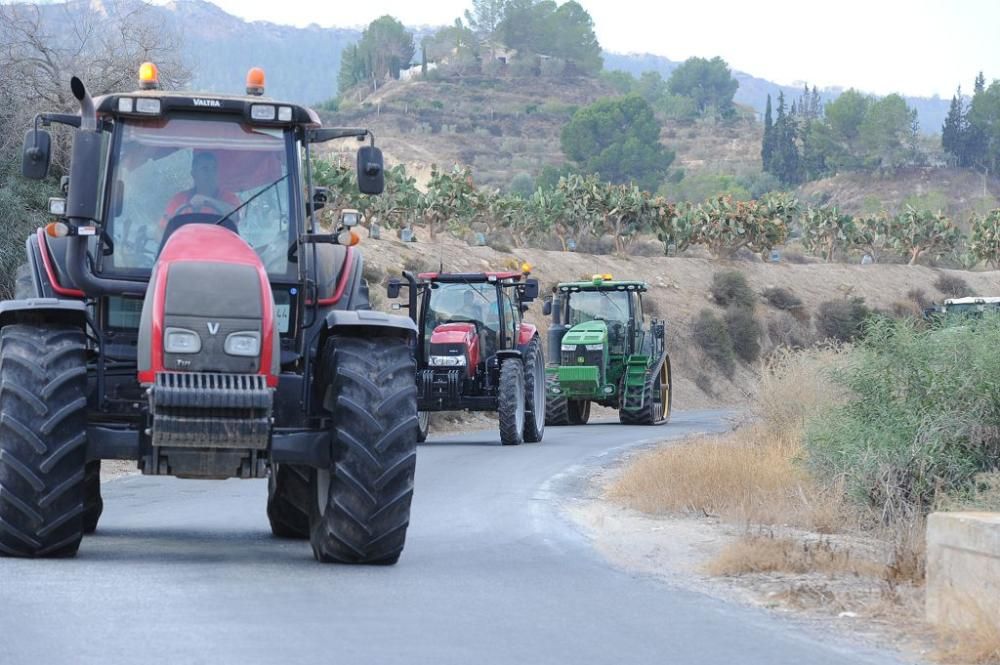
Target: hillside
{"x":956,"y":191}
{"x":680,"y":288}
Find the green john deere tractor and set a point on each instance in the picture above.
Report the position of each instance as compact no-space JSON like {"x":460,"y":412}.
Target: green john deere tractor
{"x":601,"y":351}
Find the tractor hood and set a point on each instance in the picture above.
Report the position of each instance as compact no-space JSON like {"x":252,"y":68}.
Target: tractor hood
{"x":589,"y":332}
{"x":454,"y":333}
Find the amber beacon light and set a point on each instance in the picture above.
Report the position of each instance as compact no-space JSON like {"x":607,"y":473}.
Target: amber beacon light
{"x":255,"y":81}
{"x":149,"y":76}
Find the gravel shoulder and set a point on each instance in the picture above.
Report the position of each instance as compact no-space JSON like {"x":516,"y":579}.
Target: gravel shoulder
{"x":675,"y":550}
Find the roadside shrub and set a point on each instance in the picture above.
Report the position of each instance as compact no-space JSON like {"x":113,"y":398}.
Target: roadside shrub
{"x":919,"y":298}
{"x":417,"y":264}
{"x":953,"y":286}
{"x":730,"y":287}
{"x":711,"y":334}
{"x":841,"y":320}
{"x":651,"y":308}
{"x":781,"y":298}
{"x":704,"y":383}
{"x":786,"y":331}
{"x":920,"y":418}
{"x":745,"y":333}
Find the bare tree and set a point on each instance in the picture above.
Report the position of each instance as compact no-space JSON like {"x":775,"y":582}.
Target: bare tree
{"x":43,"y":46}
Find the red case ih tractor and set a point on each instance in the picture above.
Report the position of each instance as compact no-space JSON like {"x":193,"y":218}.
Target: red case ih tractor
{"x":185,"y":312}
{"x":474,"y":351}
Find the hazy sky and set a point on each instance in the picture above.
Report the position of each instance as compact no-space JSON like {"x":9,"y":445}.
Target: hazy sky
{"x":918,"y":47}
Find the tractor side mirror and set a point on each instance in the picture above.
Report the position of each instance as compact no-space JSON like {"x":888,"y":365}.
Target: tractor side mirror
{"x":36,"y":155}
{"x":547,"y":307}
{"x":530,"y":290}
{"x":392,"y":290}
{"x":320,"y":197}
{"x":371,"y":170}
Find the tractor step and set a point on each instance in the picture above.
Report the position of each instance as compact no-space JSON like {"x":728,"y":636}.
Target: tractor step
{"x":635,"y":382}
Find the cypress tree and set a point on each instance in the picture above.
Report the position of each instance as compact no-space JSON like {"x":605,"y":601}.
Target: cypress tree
{"x":953,"y":134}
{"x":767,"y":146}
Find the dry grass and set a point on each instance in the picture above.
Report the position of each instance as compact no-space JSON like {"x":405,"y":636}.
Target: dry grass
{"x":977,"y":645}
{"x":752,"y":475}
{"x":746,"y":477}
{"x":770,"y":554}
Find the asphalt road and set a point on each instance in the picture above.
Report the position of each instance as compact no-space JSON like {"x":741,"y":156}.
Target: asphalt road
{"x":187,"y":572}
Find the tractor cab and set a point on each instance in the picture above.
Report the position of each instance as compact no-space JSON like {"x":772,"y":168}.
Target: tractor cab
{"x":470,"y":326}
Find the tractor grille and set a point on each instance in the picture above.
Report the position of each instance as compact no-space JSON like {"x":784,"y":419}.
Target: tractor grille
{"x":595,"y":358}
{"x":590,"y":359}
{"x":192,"y":409}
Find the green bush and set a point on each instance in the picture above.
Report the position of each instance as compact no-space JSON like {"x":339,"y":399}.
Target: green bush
{"x":922,"y":418}
{"x":842,"y":320}
{"x":745,"y":333}
{"x":730,"y":287}
{"x":712,"y":336}
{"x":953,"y":286}
{"x":781,"y":298}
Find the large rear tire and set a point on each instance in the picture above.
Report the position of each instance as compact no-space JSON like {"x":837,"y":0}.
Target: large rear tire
{"x":92,"y":502}
{"x":43,"y":439}
{"x":534,"y":392}
{"x":361,"y":505}
{"x":288,"y":500}
{"x":556,"y":408}
{"x":510,"y":409}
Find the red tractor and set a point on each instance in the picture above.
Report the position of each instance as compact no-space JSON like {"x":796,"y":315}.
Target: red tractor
{"x":185,"y":311}
{"x":474,"y":350}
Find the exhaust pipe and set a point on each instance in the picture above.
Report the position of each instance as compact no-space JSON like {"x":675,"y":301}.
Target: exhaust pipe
{"x":82,"y":202}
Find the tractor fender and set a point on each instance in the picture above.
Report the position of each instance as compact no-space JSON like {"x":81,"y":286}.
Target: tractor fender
{"x":525,"y":334}
{"x":49,"y":310}
{"x":369,"y":322}
{"x":504,"y":354}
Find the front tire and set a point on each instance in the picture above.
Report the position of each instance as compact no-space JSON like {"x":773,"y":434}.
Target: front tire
{"x":556,"y":407}
{"x":423,"y":426}
{"x":534,"y":392}
{"x":43,"y":439}
{"x":288,"y":500}
{"x":361,"y":504}
{"x":511,"y":402}
{"x":92,"y":501}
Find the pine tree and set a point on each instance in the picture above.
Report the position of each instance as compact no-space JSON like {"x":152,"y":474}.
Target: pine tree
{"x":980,"y":84}
{"x":767,"y":146}
{"x":784,"y":162}
{"x":953,"y":132}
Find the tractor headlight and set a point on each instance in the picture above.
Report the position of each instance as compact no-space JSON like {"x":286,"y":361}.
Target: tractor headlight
{"x":569,"y":347}
{"x":243,"y":344}
{"x":447,"y":361}
{"x":595,"y":347}
{"x":179,"y":340}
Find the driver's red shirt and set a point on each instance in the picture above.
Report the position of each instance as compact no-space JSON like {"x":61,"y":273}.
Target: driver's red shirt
{"x":181,"y":199}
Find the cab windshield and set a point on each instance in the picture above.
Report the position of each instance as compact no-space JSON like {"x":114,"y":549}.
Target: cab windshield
{"x":604,"y":305}
{"x":169,"y":172}
{"x":454,"y":303}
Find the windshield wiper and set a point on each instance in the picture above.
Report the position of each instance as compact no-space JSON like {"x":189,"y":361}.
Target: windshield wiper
{"x":247,"y":202}
{"x":610,"y":300}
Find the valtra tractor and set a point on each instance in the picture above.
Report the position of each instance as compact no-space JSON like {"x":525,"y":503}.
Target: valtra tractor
{"x":474,"y":351}
{"x":185,"y":311}
{"x":601,"y":351}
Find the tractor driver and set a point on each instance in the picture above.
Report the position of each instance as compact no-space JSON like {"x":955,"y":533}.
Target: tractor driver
{"x":205,"y":197}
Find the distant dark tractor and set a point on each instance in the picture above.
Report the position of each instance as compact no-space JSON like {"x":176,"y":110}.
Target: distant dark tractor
{"x":185,"y":312}
{"x":601,"y":351}
{"x":475,"y":352}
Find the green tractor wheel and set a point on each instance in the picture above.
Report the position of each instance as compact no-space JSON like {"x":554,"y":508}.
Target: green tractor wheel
{"x":556,"y":407}
{"x":656,"y":399}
